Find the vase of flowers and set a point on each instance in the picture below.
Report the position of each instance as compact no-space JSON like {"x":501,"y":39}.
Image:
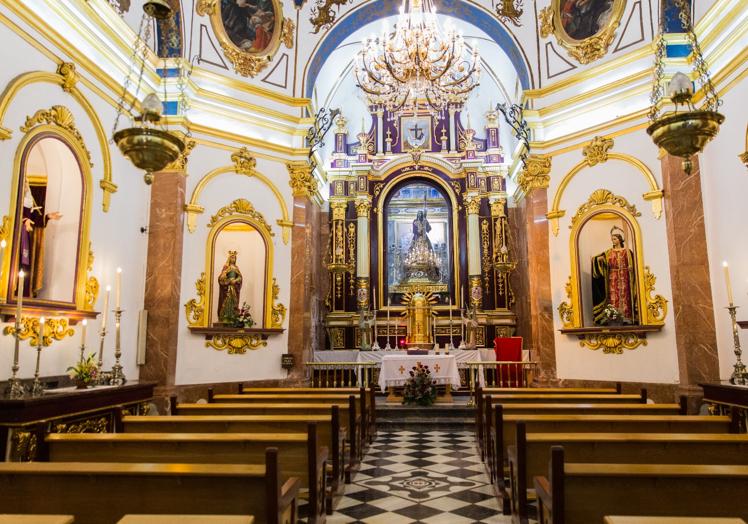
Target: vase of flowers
{"x":611,"y":316}
{"x":419,"y":388}
{"x":244,"y":317}
{"x":84,"y":373}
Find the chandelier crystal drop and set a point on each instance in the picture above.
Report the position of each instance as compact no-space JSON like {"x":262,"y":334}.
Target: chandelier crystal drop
{"x":419,"y":66}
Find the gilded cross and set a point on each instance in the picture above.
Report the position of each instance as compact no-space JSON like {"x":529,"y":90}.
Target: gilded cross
{"x":402,"y":370}
{"x":437,"y":368}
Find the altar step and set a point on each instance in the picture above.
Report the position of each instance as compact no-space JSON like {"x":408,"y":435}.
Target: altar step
{"x":457,"y":416}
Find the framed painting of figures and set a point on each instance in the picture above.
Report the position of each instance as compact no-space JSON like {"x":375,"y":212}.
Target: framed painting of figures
{"x":249,"y":31}
{"x":585,"y":28}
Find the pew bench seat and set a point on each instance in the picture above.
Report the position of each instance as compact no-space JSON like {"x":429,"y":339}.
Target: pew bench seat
{"x":186,"y":519}
{"x":36,"y":519}
{"x":614,"y":519}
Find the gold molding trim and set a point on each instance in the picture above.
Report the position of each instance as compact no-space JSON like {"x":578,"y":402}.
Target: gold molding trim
{"x":535,"y":175}
{"x":594,"y":151}
{"x":613,"y":343}
{"x":92,"y":284}
{"x":247,"y":63}
{"x":91,"y":425}
{"x":241,"y":206}
{"x":279,"y":310}
{"x":59,"y":116}
{"x":565,"y":309}
{"x":236,"y":344}
{"x":54,"y":329}
{"x":195,"y":308}
{"x":243,"y":164}
{"x":67,"y":78}
{"x":601,"y":197}
{"x":657,"y":304}
{"x":588,"y":49}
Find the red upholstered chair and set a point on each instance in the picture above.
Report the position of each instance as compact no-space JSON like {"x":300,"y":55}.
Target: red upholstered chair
{"x":508,"y":349}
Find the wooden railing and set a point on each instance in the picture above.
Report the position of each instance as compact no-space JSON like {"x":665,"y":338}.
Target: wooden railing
{"x":341,"y":374}
{"x":498,"y":374}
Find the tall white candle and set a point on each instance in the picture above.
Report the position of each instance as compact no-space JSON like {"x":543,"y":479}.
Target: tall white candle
{"x":42,"y":320}
{"x":727,"y":282}
{"x":118,"y":288}
{"x":106,"y":307}
{"x":83,"y":332}
{"x":374,"y":296}
{"x":19,"y":296}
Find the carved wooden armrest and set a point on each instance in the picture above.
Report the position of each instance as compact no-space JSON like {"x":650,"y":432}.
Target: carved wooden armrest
{"x":543,"y":493}
{"x":289,"y":492}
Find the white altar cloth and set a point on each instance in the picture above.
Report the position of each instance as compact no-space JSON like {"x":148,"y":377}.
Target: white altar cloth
{"x":396,"y":369}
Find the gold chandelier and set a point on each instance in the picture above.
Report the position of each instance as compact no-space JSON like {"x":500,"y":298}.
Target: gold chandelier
{"x":418,"y":66}
{"x":684,"y":133}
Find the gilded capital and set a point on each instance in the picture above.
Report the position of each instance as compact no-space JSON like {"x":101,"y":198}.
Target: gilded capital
{"x":363,"y":207}
{"x":498,"y":207}
{"x":244,"y":162}
{"x":302,"y":181}
{"x":472,"y":203}
{"x":180,"y":164}
{"x":596,"y":152}
{"x":536,"y":174}
{"x":338,"y":208}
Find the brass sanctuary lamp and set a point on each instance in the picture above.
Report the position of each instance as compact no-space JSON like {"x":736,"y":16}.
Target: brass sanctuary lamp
{"x":148,"y":145}
{"x":683,"y":133}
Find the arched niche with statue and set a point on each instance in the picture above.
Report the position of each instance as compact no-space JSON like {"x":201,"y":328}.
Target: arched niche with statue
{"x":610,"y":303}
{"x":235,"y":308}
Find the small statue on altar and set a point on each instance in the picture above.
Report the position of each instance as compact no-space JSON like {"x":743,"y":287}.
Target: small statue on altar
{"x":421,"y":262}
{"x":230,"y":285}
{"x":471,"y":328}
{"x":365,"y":323}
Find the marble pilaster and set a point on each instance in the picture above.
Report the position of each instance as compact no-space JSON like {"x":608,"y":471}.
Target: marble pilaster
{"x":520,"y":277}
{"x":163,"y":278}
{"x":693,"y":310}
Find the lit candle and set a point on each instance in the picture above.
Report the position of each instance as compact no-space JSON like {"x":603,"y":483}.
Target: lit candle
{"x":106,"y":307}
{"x":118,"y":288}
{"x":374,"y":296}
{"x":19,"y":297}
{"x":83,"y":332}
{"x":42,"y":320}
{"x":727,"y":282}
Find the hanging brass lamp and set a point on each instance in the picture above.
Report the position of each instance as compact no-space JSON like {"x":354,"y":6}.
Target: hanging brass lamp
{"x":683,"y":133}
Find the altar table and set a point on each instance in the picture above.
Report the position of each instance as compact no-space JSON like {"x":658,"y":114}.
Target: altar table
{"x":396,"y":369}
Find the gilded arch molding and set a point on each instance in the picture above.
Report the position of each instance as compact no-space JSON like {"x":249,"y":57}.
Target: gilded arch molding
{"x":597,"y":152}
{"x":243,"y":164}
{"x":66,"y":77}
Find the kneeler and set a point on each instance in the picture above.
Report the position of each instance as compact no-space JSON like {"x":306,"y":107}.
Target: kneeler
{"x":508,"y":349}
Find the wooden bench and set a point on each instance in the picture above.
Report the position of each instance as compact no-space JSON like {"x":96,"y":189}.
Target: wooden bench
{"x":585,"y":493}
{"x":329,"y":433}
{"x":100,"y":493}
{"x":669,"y":520}
{"x":528,"y":457}
{"x":503,"y":430}
{"x":186,"y":519}
{"x":36,"y":519}
{"x":299,"y":454}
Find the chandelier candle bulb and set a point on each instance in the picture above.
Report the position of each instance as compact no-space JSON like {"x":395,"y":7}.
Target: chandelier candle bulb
{"x":727,"y":282}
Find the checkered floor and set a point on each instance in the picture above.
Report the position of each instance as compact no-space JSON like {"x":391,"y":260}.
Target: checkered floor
{"x":430,"y":477}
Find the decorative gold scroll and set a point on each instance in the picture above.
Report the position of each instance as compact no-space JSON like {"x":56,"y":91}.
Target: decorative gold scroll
{"x":236,"y":344}
{"x":54,"y":329}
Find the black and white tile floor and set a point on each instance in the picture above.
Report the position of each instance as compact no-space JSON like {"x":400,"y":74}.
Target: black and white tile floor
{"x":409,"y":477}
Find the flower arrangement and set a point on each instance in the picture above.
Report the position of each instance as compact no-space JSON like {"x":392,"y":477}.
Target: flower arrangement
{"x":420,"y":388}
{"x":244,"y":317}
{"x":611,"y":315}
{"x":84,"y":372}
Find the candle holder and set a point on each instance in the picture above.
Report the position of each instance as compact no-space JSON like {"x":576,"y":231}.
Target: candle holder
{"x":37,"y":388}
{"x":100,"y":363}
{"x":739,"y":374}
{"x":118,"y":376}
{"x":83,"y":350}
{"x":15,"y":388}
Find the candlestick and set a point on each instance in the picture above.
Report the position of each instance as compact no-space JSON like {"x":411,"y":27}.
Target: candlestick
{"x":451,"y":340}
{"x":739,"y":373}
{"x":389,"y":304}
{"x":83,"y":337}
{"x":105,"y":312}
{"x":102,"y":336}
{"x":15,"y":389}
{"x":374,"y":297}
{"x":727,"y":283}
{"x":37,"y":388}
{"x":118,"y":376}
{"x":118,"y":288}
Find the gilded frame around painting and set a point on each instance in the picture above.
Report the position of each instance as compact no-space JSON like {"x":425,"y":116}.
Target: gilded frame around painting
{"x":247,"y":62}
{"x":585,"y":45}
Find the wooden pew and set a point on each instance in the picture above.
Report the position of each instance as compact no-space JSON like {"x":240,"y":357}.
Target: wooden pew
{"x":329,"y":433}
{"x":349,"y":419}
{"x":584,"y":493}
{"x":100,"y":493}
{"x":185,"y":519}
{"x":503,"y":430}
{"x":300,"y":454}
{"x":480,"y":393}
{"x":528,"y":456}
{"x":669,"y":520}
{"x":37,"y":519}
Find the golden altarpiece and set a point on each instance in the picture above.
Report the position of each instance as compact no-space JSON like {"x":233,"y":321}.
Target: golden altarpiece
{"x":418,"y":233}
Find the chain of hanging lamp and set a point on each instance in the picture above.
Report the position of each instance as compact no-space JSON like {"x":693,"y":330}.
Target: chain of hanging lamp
{"x":700,"y":67}
{"x":419,"y":66}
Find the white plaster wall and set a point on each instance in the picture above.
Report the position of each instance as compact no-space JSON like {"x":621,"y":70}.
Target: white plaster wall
{"x":197,"y":363}
{"x":657,"y":361}
{"x":724,"y":185}
{"x":115,"y":236}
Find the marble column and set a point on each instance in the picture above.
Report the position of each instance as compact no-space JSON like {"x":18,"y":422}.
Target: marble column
{"x":163,"y":279}
{"x":693,"y":310}
{"x":543,"y":347}
{"x":472,"y":205}
{"x":306,"y":254}
{"x":363,"y":208}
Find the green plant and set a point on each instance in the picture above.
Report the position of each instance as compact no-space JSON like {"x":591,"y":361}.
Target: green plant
{"x":420,"y":387}
{"x":85,"y":371}
{"x":244,"y":317}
